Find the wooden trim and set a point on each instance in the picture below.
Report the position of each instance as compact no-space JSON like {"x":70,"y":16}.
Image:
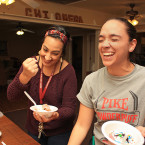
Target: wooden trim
{"x":47,"y":21}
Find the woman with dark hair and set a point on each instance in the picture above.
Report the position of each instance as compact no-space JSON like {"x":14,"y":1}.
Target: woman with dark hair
{"x":116,"y":91}
{"x":49,"y":80}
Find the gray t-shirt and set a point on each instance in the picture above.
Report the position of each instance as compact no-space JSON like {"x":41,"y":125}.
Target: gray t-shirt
{"x":114,"y":98}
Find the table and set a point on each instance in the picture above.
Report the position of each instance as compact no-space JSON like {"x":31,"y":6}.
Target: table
{"x":13,"y":135}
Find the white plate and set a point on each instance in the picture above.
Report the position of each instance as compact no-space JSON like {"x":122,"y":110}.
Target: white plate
{"x":125,"y":128}
{"x":41,"y":111}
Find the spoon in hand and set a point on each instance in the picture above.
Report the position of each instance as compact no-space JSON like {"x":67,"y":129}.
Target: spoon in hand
{"x":30,"y":98}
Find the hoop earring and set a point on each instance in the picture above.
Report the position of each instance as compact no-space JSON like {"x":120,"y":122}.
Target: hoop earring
{"x":61,"y":59}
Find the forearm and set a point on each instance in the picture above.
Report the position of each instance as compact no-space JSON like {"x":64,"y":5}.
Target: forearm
{"x":16,"y":89}
{"x":78,"y":135}
{"x":82,"y":125}
{"x":24,"y":79}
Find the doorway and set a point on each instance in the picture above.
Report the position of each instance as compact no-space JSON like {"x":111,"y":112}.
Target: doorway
{"x":77,"y":47}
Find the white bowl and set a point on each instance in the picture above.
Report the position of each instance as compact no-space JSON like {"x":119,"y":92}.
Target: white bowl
{"x":113,"y":131}
{"x":38,"y":108}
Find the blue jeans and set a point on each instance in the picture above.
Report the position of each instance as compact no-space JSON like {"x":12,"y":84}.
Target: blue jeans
{"x":60,"y":139}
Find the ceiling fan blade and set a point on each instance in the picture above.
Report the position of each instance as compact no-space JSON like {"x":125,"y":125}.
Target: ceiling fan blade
{"x":139,"y":16}
{"x":132,"y":14}
{"x":31,"y":3}
{"x":26,"y":30}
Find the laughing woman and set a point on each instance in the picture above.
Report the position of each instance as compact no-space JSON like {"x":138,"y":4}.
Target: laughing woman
{"x":116,"y":91}
{"x":49,"y":80}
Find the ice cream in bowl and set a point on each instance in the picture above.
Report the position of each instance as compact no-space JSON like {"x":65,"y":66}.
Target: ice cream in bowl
{"x":44,"y":109}
{"x":121,"y":133}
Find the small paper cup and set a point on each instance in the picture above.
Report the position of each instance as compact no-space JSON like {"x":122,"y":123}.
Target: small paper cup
{"x":122,"y":127}
{"x":41,"y":111}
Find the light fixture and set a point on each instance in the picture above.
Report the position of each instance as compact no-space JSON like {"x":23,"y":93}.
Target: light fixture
{"x":6,"y":2}
{"x":20,"y":32}
{"x":134,"y":22}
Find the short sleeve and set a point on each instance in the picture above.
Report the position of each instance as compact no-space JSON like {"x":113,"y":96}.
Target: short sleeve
{"x":85,"y":94}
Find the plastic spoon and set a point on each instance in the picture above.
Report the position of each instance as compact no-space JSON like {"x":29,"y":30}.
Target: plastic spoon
{"x":30,"y":98}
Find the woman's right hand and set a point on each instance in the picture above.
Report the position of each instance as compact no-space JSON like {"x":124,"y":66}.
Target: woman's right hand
{"x":30,"y":69}
{"x":42,"y":118}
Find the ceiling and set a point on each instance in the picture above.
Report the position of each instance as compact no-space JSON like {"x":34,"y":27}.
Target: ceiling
{"x":117,"y":7}
{"x":64,"y":1}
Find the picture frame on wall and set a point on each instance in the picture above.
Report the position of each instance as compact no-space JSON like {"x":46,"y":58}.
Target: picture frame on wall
{"x":3,"y":48}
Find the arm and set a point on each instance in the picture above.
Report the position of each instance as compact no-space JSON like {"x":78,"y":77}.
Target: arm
{"x":82,"y":125}
{"x":20,"y":82}
{"x":16,"y":88}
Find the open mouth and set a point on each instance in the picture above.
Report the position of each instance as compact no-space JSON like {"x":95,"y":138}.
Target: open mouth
{"x":108,"y":54}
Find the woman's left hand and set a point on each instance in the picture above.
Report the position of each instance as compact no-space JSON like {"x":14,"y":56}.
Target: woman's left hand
{"x":142,"y":130}
{"x":42,"y":118}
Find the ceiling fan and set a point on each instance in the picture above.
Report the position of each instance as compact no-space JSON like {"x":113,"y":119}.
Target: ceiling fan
{"x":133,"y":15}
{"x":21,"y":30}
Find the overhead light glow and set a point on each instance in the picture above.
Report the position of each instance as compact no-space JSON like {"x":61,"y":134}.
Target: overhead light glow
{"x":6,"y":2}
{"x":134,"y":22}
{"x":20,"y":32}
